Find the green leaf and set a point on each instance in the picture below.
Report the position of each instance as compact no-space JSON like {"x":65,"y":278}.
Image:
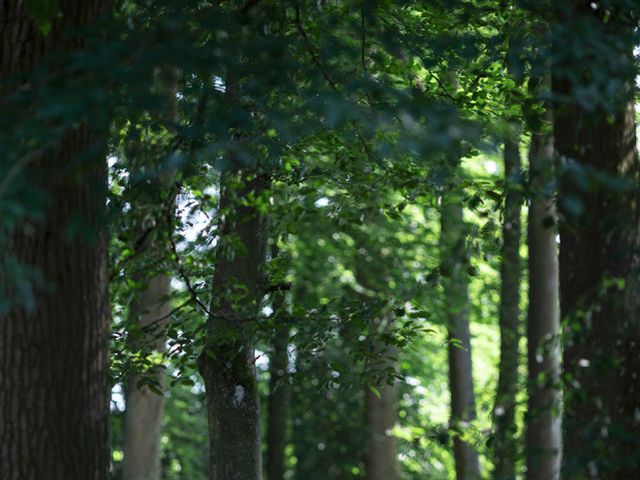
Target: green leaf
{"x":43,"y":13}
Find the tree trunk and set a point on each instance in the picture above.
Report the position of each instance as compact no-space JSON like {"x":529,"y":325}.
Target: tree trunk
{"x":381,"y":415}
{"x":506,"y":446}
{"x":278,"y":407}
{"x":54,"y":376}
{"x":143,"y":417}
{"x":543,"y":437}
{"x":278,"y":402}
{"x":228,"y":361}
{"x":381,"y":404}
{"x":599,"y":259}
{"x":454,"y":263}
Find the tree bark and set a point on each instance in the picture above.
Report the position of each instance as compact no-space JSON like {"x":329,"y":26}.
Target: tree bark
{"x":277,"y":408}
{"x":600,"y":242}
{"x":543,"y":442}
{"x":54,"y":377}
{"x":454,"y":264}
{"x":228,"y":361}
{"x":143,"y":416}
{"x":278,"y":402}
{"x":380,"y":405}
{"x":381,"y":416}
{"x":506,"y":445}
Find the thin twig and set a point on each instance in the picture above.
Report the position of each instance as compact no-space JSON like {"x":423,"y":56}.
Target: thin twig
{"x":167,"y":315}
{"x":180,"y":267}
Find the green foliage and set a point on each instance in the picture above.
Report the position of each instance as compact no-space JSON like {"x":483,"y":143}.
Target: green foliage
{"x":358,"y":113}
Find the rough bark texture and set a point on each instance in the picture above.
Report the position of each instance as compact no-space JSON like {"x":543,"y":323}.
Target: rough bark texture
{"x":543,"y":442}
{"x":143,"y":417}
{"x":599,"y":254}
{"x":506,"y":445}
{"x":454,"y":263}
{"x":228,"y":362}
{"x":278,"y":402}
{"x":54,"y":390}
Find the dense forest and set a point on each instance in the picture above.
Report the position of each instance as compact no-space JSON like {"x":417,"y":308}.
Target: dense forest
{"x":319,"y":240}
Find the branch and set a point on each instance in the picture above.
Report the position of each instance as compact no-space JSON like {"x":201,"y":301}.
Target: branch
{"x":279,"y":287}
{"x":180,"y":267}
{"x":153,"y":323}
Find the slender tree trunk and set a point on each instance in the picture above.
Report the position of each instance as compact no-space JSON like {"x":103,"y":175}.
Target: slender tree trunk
{"x":54,"y":388}
{"x":228,"y":361}
{"x":506,"y":445}
{"x":143,"y":417}
{"x":543,"y":436}
{"x":381,"y":415}
{"x":278,"y":408}
{"x":381,"y":404}
{"x":278,"y":402}
{"x":599,"y":252}
{"x":456,"y":300}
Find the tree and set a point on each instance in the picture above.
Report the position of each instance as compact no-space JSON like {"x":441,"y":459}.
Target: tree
{"x":54,"y":378}
{"x":506,"y":446}
{"x":600,"y":237}
{"x":380,"y":399}
{"x":278,"y":400}
{"x":381,"y":412}
{"x":143,"y":416}
{"x":454,"y":259}
{"x":543,"y":442}
{"x":150,"y":312}
{"x":227,"y":363}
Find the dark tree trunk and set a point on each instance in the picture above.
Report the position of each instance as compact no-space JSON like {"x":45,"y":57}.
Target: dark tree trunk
{"x":228,"y":361}
{"x":599,"y":250}
{"x":278,"y":402}
{"x":454,"y":264}
{"x":278,"y":408}
{"x":543,"y":443}
{"x":506,"y":445}
{"x":54,"y":377}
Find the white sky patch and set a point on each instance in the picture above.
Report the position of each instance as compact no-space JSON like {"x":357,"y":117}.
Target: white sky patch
{"x":113,"y":175}
{"x":177,"y":284}
{"x":322,"y":202}
{"x":262,"y":360}
{"x":292,"y":353}
{"x":491,"y":167}
{"x":414,"y":382}
{"x":198,"y":387}
{"x":117,"y":398}
{"x":218,"y":84}
{"x":192,"y":220}
{"x":636,"y":53}
{"x":267,"y":310}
